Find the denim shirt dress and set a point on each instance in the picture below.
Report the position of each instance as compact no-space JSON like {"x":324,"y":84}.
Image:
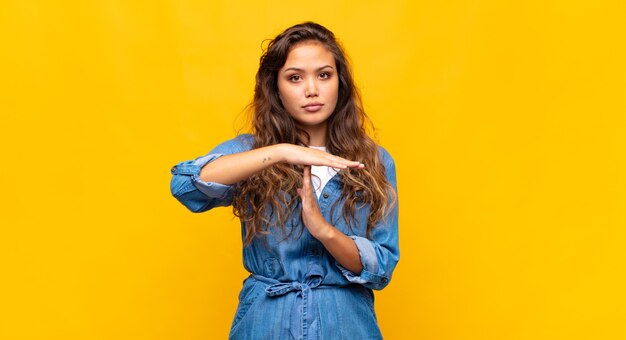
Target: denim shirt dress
{"x":296,"y":289}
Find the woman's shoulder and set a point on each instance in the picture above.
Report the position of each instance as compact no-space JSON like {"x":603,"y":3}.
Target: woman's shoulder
{"x":385,"y":156}
{"x":388,"y":164}
{"x":240,"y":143}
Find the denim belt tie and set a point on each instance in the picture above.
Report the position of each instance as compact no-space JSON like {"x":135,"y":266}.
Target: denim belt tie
{"x":303,"y":291}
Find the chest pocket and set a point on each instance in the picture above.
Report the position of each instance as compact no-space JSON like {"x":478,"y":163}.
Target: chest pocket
{"x":358,"y":225}
{"x":273,"y":267}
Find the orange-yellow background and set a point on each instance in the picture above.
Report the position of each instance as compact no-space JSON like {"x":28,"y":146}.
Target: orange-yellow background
{"x":507,"y":121}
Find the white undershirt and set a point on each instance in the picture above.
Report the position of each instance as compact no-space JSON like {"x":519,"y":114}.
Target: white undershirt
{"x":320,"y":175}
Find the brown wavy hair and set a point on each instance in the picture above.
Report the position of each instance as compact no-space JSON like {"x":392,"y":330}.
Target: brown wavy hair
{"x":268,"y":199}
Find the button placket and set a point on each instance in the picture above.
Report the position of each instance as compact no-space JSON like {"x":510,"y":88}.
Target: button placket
{"x":325,"y":200}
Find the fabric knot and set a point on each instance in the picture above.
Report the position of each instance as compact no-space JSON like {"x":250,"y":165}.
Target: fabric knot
{"x":282,"y":288}
{"x":303,"y":314}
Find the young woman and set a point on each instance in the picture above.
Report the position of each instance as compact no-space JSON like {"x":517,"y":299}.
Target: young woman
{"x":315,"y":195}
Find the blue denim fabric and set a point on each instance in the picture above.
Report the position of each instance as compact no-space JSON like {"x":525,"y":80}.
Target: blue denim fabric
{"x":296,"y":290}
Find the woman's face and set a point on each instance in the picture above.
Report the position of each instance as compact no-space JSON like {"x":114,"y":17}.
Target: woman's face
{"x":308,"y":85}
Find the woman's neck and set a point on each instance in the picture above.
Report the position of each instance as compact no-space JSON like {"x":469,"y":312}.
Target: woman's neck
{"x":317,"y":134}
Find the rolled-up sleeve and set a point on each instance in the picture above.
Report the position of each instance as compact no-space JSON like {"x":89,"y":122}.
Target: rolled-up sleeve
{"x":194,"y":193}
{"x":380,"y":254}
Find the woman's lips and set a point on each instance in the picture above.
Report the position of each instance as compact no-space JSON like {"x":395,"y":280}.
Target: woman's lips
{"x":313,"y":107}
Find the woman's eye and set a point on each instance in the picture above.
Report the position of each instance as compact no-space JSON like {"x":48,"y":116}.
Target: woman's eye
{"x":295,"y":77}
{"x":325,"y":75}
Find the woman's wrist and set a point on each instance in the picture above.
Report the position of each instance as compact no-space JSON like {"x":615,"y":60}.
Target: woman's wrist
{"x":280,"y":152}
{"x":273,"y":154}
{"x":325,"y":233}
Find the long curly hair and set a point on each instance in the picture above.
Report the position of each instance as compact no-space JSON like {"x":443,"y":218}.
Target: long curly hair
{"x":268,"y":199}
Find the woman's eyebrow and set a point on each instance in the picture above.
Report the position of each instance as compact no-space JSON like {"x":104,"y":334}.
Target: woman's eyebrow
{"x":301,"y":70}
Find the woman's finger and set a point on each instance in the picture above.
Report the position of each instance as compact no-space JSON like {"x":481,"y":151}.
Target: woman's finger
{"x":347,"y":164}
{"x":306,"y":179}
{"x":306,"y":182}
{"x":302,"y":155}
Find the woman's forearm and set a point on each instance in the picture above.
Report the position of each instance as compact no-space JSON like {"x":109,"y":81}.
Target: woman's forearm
{"x":342,"y":248}
{"x":230,"y":169}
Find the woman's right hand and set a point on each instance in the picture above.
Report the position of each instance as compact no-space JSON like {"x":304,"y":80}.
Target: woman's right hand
{"x":301,"y":155}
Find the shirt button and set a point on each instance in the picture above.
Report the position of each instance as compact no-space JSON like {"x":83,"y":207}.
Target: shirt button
{"x":315,"y":252}
{"x":325,"y":195}
{"x":384,"y":280}
{"x":174,"y":168}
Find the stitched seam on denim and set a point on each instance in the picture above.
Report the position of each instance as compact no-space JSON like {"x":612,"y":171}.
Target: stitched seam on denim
{"x":185,"y":188}
{"x":238,"y":321}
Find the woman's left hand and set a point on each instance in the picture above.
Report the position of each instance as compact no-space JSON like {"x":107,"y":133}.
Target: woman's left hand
{"x":341,"y":247}
{"x":311,"y":214}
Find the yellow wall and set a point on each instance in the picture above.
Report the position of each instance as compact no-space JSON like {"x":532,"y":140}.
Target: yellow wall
{"x":507,"y":120}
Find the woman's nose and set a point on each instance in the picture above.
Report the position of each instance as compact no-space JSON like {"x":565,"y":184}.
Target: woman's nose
{"x":311,"y":89}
